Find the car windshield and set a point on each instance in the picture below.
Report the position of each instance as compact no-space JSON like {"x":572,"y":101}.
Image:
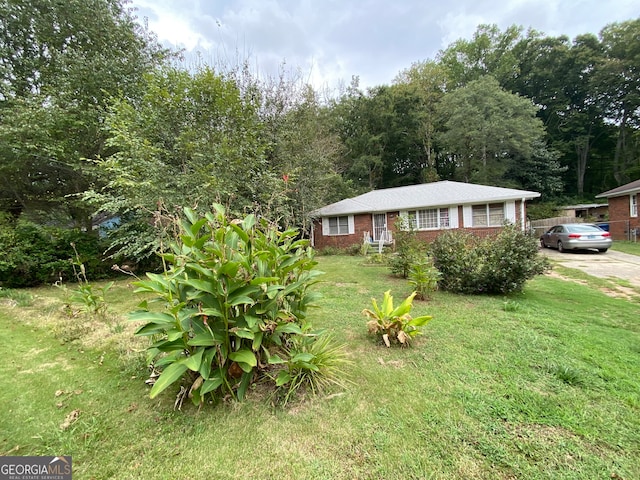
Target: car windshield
{"x":584,"y":229}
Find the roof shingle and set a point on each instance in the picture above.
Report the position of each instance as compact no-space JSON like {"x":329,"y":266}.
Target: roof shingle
{"x":621,"y":190}
{"x":425,"y":195}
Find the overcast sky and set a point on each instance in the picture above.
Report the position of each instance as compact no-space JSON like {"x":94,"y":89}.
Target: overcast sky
{"x":329,"y":41}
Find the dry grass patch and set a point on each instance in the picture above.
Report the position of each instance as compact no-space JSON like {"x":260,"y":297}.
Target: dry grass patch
{"x":609,"y":287}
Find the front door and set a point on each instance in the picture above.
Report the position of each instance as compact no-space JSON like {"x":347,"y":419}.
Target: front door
{"x":379,"y":226}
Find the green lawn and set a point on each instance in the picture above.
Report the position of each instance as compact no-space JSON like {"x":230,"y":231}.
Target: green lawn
{"x":542,"y":385}
{"x":626,"y":247}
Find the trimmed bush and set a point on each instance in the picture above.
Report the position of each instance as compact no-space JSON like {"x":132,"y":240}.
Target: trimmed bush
{"x":499,"y":264}
{"x":458,"y":257}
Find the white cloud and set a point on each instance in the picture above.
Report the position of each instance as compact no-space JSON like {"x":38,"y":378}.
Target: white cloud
{"x":172,"y":25}
{"x":332,"y":40}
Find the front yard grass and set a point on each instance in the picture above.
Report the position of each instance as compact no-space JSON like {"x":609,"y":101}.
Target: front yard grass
{"x":632,"y":248}
{"x":540,"y":385}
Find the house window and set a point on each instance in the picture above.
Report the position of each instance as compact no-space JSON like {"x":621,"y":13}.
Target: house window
{"x":633,"y":210}
{"x":444,"y":218}
{"x":338,"y":225}
{"x":428,"y":219}
{"x":491,"y":215}
{"x":412,"y":220}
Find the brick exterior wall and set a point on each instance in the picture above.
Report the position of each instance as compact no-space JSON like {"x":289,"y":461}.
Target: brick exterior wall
{"x":364,"y":223}
{"x":620,"y":221}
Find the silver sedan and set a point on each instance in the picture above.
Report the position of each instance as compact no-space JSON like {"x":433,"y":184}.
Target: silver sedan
{"x":576,"y":236}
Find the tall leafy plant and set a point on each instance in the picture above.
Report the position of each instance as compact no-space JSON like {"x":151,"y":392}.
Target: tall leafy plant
{"x":409,"y":248}
{"x":394,"y":324}
{"x":234,"y":293}
{"x":423,"y":278}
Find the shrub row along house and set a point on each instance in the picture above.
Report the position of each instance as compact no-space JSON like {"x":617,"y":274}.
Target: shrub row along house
{"x":429,"y":208}
{"x":624,"y":223}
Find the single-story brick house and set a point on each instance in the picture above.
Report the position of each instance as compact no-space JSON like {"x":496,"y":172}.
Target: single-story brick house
{"x":429,"y":207}
{"x":623,"y":211}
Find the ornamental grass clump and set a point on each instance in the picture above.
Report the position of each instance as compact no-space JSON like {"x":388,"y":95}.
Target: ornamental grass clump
{"x":234,"y":295}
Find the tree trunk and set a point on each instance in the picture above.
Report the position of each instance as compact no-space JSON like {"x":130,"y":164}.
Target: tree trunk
{"x":619,"y":163}
{"x":583,"y":145}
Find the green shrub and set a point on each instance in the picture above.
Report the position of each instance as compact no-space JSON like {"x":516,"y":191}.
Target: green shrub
{"x":424,"y":277}
{"x":137,"y":240}
{"x":235,"y":296}
{"x":497,"y":264}
{"x":537,"y":211}
{"x":409,"y":250}
{"x":457,"y":256}
{"x":329,"y":250}
{"x":91,"y":297}
{"x":512,"y":258}
{"x":34,"y":254}
{"x":354,"y":249}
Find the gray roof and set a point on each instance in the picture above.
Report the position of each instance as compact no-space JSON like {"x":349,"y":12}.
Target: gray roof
{"x":584,"y":205}
{"x":425,"y":195}
{"x":622,"y":190}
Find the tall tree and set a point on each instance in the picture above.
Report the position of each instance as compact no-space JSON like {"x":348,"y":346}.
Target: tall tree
{"x":486,"y":128}
{"x":489,"y":52}
{"x":558,"y":75}
{"x":192,"y":139}
{"x":617,"y":82}
{"x":355,"y":122}
{"x":427,"y":82}
{"x":304,"y":153}
{"x":389,"y":134}
{"x":60,"y":62}
{"x":400,"y":124}
{"x":541,"y":172}
{"x":583,"y":121}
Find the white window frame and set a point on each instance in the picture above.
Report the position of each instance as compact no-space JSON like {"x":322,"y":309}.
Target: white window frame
{"x":326,"y":225}
{"x":633,"y":205}
{"x":437,"y":218}
{"x":485,"y":215}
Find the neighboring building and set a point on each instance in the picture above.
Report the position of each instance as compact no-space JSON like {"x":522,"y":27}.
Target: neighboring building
{"x":597,"y":211}
{"x":623,"y":211}
{"x":429,"y":207}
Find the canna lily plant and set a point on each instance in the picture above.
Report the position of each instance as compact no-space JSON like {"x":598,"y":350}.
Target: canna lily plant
{"x":394,"y":324}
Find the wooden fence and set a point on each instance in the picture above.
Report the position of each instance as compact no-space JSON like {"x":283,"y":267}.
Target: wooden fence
{"x":544,"y":224}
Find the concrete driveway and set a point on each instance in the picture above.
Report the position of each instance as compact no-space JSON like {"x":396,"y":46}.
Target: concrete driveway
{"x":604,"y":265}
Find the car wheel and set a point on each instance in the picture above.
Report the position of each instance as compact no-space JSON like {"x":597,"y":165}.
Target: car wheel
{"x":602,"y":250}
{"x":560,"y":246}
{"x":542,"y":244}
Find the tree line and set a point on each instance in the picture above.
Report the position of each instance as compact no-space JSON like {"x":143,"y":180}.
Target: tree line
{"x":98,"y":120}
